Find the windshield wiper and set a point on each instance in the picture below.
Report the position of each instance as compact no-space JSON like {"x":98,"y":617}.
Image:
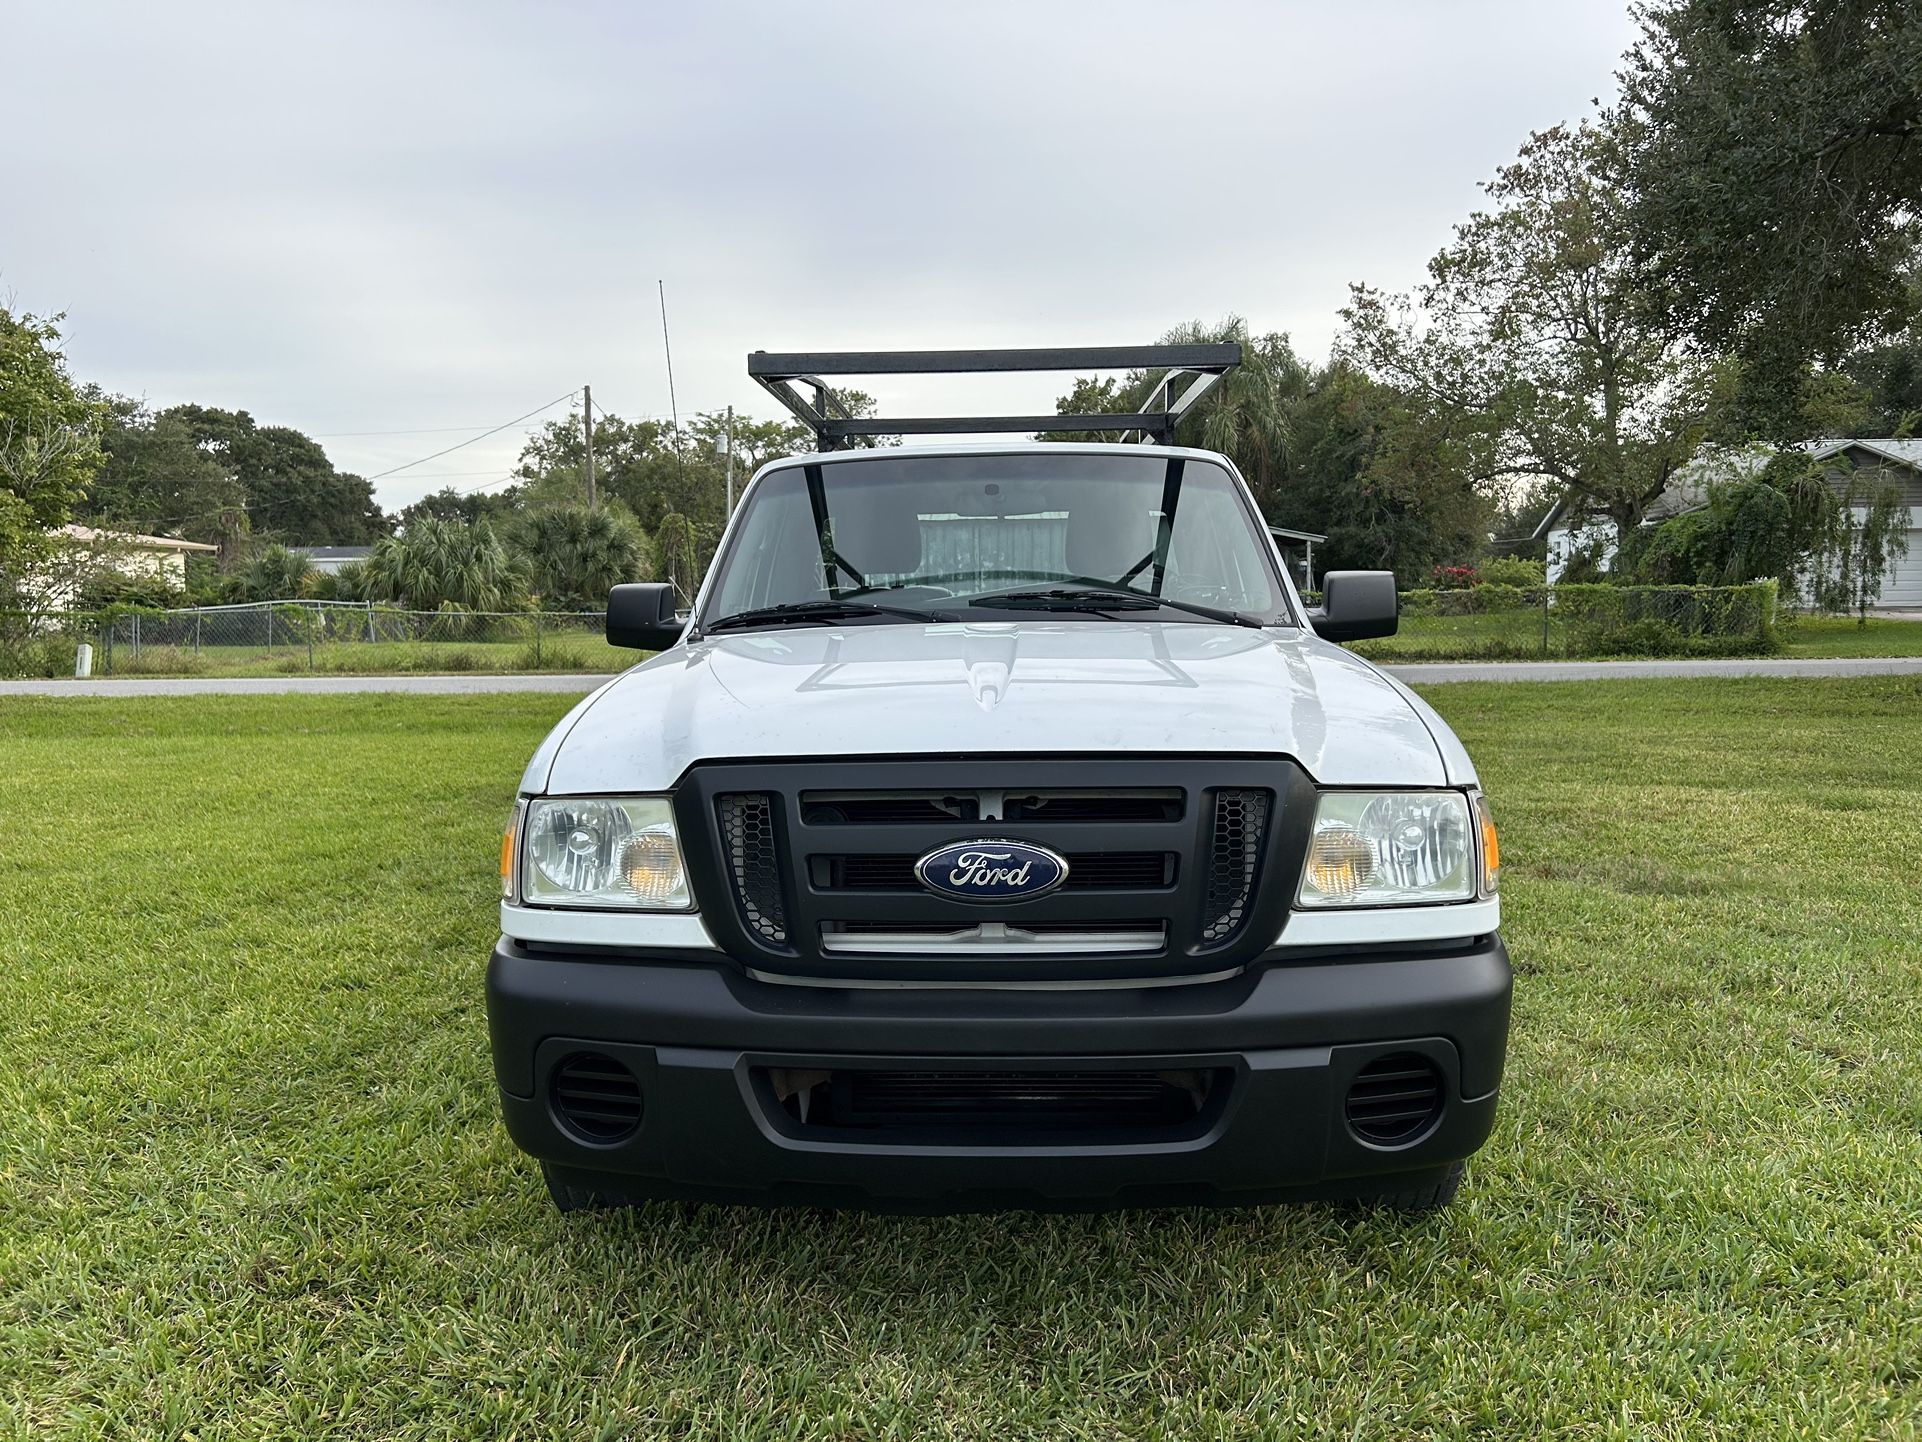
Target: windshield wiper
{"x":1089,"y":598}
{"x":825,"y":613}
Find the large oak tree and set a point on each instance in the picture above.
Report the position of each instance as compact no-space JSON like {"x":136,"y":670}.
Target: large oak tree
{"x":1539,"y":346}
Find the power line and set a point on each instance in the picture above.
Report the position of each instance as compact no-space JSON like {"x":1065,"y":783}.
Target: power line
{"x":251,"y":509}
{"x":408,"y":466}
{"x":415,"y":431}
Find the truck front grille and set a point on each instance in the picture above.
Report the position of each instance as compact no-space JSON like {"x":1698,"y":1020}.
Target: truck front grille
{"x":1163,"y":879}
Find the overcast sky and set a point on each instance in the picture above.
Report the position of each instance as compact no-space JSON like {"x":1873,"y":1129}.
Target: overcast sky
{"x":411,"y":218}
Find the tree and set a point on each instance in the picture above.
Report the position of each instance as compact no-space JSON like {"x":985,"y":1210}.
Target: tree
{"x":433,"y":564}
{"x":448,"y":504}
{"x":1889,"y":378}
{"x":1311,"y":443}
{"x":1774,"y":152}
{"x":1537,"y":348}
{"x":635,"y":462}
{"x":276,"y":574}
{"x":155,"y":477}
{"x":1246,"y":418}
{"x":1827,"y":531}
{"x":755,"y":442}
{"x":49,"y":445}
{"x":293,"y":491}
{"x":572,"y":555}
{"x":1363,"y":472}
{"x":678,"y":544}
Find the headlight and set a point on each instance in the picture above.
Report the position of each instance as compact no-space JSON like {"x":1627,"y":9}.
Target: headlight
{"x":1389,"y":848}
{"x":603,"y":851}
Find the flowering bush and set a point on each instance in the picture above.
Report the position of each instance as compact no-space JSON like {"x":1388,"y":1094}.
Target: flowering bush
{"x":1455,"y":578}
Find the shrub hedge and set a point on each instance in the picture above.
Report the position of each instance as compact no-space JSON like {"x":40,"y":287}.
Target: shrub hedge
{"x":1493,"y":621}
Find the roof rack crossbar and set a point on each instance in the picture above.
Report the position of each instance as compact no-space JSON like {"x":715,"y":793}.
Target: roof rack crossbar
{"x":783,"y":375}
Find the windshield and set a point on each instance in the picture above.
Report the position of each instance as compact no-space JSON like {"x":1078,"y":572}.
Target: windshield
{"x":884,"y":540}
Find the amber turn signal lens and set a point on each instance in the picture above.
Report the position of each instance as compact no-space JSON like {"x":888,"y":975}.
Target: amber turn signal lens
{"x":1340,"y":861}
{"x":507,"y":861}
{"x":1491,"y":848}
{"x":651,"y":868}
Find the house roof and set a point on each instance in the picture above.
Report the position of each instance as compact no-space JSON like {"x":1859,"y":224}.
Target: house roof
{"x":1688,"y":488}
{"x":1903,"y":452}
{"x":90,"y":535}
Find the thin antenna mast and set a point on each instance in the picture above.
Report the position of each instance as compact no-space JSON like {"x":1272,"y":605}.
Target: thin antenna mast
{"x":587,"y":431}
{"x":667,"y":349}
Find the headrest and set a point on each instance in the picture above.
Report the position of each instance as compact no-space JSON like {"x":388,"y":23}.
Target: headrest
{"x":1108,"y":536}
{"x":877,"y":530}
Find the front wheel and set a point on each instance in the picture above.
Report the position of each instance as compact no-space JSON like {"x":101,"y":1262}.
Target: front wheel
{"x":1431,"y":1196}
{"x":574,"y":1190}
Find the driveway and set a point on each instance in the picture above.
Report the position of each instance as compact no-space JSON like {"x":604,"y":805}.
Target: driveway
{"x":1414,"y":675}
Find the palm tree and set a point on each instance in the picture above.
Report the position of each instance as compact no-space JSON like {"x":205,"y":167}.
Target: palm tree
{"x":573,"y":555}
{"x":433,"y":564}
{"x":276,"y":574}
{"x":1248,"y":418}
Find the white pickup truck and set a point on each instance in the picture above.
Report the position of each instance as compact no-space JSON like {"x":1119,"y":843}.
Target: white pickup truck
{"x":1000,"y":829}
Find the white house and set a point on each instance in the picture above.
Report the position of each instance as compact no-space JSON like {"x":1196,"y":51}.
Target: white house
{"x":82,"y":552}
{"x":329,"y":559}
{"x":1688,"y":491}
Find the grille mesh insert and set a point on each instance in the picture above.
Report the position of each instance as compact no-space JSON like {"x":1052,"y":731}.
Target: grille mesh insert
{"x":1241,"y":821}
{"x":747,"y":833}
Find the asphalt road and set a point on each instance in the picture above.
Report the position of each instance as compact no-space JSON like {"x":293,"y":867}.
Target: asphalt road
{"x":1415,"y":675}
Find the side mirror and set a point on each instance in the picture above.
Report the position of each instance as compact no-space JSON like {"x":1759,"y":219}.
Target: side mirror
{"x":1356,"y":605}
{"x":642,"y":616}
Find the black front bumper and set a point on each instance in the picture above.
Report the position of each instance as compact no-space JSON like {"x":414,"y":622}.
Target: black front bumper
{"x":1286,"y":1038}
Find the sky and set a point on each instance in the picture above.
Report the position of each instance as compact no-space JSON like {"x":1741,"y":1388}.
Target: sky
{"x":397,"y":225}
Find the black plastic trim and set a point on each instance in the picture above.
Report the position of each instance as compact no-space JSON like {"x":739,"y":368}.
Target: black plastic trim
{"x":695,"y":1034}
{"x":806,"y":906}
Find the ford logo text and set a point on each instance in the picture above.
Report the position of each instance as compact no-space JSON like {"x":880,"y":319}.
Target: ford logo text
{"x":991,"y":871}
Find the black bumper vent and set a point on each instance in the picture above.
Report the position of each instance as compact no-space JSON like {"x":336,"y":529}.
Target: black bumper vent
{"x":1012,"y":1100}
{"x":596,"y":1097}
{"x":747,"y":836}
{"x":1234,"y":858}
{"x":1395,"y":1099}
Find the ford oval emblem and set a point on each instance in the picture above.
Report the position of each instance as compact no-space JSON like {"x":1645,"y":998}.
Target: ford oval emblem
{"x":991,"y":871}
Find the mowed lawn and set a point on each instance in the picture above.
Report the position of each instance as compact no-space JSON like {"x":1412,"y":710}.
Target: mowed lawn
{"x":252,"y":1182}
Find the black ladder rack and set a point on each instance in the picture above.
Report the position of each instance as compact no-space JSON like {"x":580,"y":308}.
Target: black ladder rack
{"x":783,"y":375}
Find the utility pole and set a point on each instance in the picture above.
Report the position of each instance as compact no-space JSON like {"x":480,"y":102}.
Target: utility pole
{"x":730,"y":464}
{"x":587,"y":423}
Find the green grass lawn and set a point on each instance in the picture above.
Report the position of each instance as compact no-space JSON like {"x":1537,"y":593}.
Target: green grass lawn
{"x":374,"y":658}
{"x":252,"y":1183}
{"x":1517,"y":636}
{"x":1843,"y":636}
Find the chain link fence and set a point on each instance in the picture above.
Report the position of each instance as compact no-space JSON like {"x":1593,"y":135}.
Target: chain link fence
{"x":1490,"y":622}
{"x":1496,"y":622}
{"x":274,"y":638}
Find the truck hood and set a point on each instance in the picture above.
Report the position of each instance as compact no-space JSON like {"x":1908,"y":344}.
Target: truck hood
{"x":1021,"y":687}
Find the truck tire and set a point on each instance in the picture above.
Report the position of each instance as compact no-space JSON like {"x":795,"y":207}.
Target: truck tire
{"x":1431,"y":1196}
{"x":579,"y":1191}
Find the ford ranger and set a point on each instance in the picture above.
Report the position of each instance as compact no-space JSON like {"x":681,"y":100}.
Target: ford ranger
{"x":1000,"y":828}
